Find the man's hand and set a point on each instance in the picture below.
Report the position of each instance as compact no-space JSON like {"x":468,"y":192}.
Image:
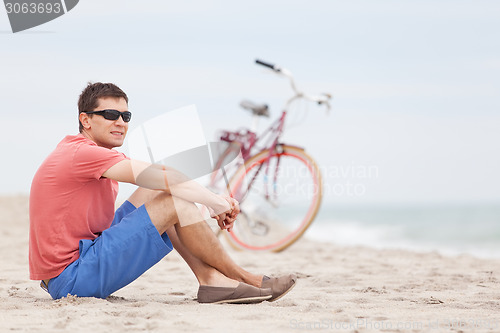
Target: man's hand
{"x":231,"y":216}
{"x":226,"y":219}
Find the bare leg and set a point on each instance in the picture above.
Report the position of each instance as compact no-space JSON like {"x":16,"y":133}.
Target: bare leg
{"x":205,"y":274}
{"x":196,"y":243}
{"x":202,"y":243}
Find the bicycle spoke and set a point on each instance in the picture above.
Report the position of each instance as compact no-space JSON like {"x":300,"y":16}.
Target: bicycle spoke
{"x":280,"y":202}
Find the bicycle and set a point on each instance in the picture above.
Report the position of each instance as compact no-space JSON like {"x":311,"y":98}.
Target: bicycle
{"x":279,"y":186}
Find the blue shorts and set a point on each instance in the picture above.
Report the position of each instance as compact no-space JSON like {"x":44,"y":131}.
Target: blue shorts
{"x":117,"y":257}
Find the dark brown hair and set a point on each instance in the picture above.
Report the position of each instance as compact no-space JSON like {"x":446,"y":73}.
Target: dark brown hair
{"x":88,"y":100}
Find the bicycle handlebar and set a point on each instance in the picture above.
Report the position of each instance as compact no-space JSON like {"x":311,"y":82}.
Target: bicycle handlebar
{"x":266,"y":64}
{"x":321,"y":100}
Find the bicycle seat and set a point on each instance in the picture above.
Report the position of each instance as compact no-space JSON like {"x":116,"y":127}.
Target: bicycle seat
{"x":257,"y":109}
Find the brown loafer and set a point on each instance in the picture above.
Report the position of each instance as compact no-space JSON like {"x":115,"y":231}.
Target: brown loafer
{"x":280,"y":285}
{"x":243,"y":293}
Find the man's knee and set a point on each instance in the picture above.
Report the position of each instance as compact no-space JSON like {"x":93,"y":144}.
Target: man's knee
{"x":142,"y":195}
{"x":166,"y":211}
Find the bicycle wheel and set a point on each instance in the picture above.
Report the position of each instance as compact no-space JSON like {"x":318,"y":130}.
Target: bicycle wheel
{"x":279,"y":194}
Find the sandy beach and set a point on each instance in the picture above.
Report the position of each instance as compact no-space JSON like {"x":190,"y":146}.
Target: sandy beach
{"x":340,"y":289}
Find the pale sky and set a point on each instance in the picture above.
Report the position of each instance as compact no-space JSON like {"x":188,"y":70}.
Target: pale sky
{"x":416,"y":84}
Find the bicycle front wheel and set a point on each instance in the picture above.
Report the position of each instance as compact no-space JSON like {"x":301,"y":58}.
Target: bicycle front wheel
{"x":280,"y":194}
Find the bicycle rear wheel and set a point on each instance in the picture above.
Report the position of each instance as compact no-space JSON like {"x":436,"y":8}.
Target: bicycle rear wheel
{"x":280,"y":194}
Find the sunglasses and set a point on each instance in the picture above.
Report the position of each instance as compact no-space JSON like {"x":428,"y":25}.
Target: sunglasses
{"x":110,"y":114}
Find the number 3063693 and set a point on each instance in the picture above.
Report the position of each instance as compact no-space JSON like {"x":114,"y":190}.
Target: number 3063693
{"x":33,"y":8}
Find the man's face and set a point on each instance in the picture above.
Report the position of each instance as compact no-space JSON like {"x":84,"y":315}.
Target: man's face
{"x":106,"y":133}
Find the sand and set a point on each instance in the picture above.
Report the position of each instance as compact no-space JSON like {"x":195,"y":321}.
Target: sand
{"x":340,"y":289}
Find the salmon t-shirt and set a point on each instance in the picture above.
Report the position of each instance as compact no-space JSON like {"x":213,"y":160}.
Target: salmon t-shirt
{"x":69,"y":201}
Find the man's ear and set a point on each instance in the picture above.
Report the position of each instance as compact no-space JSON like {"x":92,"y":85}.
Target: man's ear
{"x":85,"y":120}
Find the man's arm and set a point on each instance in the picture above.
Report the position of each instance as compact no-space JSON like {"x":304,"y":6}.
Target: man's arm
{"x":159,"y":177}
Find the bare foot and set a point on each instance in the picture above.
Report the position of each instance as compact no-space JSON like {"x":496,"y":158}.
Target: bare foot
{"x":217,"y":279}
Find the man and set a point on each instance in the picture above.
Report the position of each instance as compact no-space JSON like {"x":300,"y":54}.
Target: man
{"x":80,"y":246}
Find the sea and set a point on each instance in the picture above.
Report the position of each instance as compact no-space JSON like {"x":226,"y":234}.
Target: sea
{"x":449,"y":229}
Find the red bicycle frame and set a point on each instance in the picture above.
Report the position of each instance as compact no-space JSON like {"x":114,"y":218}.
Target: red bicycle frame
{"x":246,"y":140}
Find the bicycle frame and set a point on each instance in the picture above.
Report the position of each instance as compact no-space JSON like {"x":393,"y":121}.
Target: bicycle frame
{"x":247,"y":140}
